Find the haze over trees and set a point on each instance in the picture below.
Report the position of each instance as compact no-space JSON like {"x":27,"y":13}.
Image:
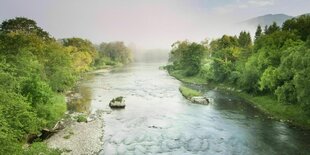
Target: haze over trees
{"x":276,"y":65}
{"x":115,"y":52}
{"x":35,"y":70}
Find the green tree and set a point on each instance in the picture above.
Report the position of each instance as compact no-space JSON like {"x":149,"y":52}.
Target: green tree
{"x":258,"y":32}
{"x":272,"y":28}
{"x":116,"y":51}
{"x":187,"y":56}
{"x":82,"y":45}
{"x":191,"y":59}
{"x":83,"y":53}
{"x":299,"y":25}
{"x":244,"y":39}
{"x":250,"y":75}
{"x":23,"y":24}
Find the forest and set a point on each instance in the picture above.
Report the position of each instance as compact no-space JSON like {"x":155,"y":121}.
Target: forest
{"x":272,"y":69}
{"x":35,"y":72}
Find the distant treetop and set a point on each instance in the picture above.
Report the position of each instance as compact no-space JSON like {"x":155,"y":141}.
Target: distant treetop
{"x":22,"y":24}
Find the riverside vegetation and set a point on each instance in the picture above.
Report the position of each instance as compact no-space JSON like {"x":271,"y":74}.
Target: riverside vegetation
{"x":188,"y":92}
{"x":273,"y":72}
{"x":35,"y":71}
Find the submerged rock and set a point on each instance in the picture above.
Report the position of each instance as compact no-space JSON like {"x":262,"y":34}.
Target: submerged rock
{"x":118,"y":102}
{"x":200,"y":100}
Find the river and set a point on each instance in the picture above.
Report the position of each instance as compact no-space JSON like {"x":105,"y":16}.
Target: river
{"x":159,"y":120}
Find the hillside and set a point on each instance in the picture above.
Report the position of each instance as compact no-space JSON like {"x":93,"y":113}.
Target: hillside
{"x":267,"y":20}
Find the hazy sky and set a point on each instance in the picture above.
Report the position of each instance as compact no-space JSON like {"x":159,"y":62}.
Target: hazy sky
{"x":147,"y":23}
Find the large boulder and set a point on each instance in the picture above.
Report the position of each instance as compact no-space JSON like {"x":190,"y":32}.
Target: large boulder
{"x":118,"y":103}
{"x":200,"y":100}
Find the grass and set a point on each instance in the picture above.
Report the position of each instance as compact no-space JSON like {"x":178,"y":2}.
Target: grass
{"x":40,"y":148}
{"x":178,"y":74}
{"x":189,"y":93}
{"x":290,"y":113}
{"x":81,"y":118}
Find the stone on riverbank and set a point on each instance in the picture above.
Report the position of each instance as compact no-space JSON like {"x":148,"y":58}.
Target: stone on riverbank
{"x":118,"y":102}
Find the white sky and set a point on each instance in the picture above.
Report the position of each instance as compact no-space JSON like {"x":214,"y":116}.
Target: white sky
{"x":146,"y":23}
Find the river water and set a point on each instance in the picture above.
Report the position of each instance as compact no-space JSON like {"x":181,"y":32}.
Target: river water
{"x":159,"y":120}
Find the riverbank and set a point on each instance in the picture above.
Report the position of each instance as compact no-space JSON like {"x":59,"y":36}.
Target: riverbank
{"x":79,"y":137}
{"x":82,"y":132}
{"x":291,"y":114}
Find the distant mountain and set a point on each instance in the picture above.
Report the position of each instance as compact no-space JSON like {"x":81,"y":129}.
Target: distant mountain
{"x":267,"y":20}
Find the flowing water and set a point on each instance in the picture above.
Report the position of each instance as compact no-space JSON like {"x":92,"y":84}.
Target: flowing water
{"x":159,"y":120}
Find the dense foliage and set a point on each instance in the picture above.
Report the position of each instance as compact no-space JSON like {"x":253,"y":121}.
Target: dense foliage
{"x":277,"y":63}
{"x":35,"y":70}
{"x":187,"y":56}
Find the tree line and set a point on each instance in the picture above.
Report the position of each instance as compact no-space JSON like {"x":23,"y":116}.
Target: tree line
{"x":35,"y":71}
{"x":276,"y":63}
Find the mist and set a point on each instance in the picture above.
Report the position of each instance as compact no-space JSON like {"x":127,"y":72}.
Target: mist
{"x":147,"y":24}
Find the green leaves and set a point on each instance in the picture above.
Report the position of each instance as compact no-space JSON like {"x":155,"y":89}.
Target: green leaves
{"x":29,"y":62}
{"x":269,"y":79}
{"x":18,"y":114}
{"x":187,"y":56}
{"x":21,"y":24}
{"x":245,"y":40}
{"x":36,"y":91}
{"x":300,"y":26}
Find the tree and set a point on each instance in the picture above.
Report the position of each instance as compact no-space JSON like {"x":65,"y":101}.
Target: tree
{"x":82,"y":45}
{"x":191,"y":59}
{"x":176,"y":53}
{"x":29,"y":62}
{"x":272,"y":28}
{"x":60,"y":72}
{"x":244,"y":39}
{"x":250,"y":75}
{"x":116,"y":51}
{"x":258,"y":32}
{"x":187,"y":56}
{"x":83,"y":53}
{"x":25,"y":25}
{"x":299,"y":25}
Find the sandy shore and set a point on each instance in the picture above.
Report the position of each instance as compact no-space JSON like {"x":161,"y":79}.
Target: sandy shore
{"x":80,"y":138}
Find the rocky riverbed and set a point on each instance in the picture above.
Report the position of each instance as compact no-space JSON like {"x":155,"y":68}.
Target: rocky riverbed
{"x":80,"y":137}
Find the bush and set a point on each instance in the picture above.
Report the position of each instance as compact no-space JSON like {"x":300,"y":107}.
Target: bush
{"x":53,"y":111}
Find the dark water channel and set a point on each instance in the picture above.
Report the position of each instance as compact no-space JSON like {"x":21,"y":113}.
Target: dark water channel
{"x":158,"y":120}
